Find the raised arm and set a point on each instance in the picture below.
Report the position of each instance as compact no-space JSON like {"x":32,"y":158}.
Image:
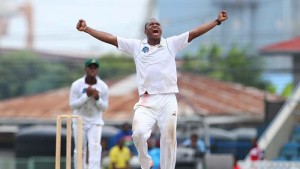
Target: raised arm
{"x":100,"y":35}
{"x":200,"y":30}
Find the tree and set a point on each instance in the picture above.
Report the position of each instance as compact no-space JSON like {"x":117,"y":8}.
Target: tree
{"x":116,"y":67}
{"x":236,"y":66}
{"x":288,"y":90}
{"x":26,"y":73}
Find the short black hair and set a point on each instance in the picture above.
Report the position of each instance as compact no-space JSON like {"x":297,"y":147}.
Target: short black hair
{"x":146,"y":24}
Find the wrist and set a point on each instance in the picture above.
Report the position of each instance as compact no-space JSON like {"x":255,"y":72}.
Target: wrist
{"x":85,"y":28}
{"x":218,"y":21}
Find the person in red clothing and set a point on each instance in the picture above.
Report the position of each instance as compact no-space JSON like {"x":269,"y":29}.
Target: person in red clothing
{"x":256,"y":153}
{"x":236,"y":165}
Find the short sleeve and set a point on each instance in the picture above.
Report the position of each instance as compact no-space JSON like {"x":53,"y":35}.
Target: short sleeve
{"x":129,"y":46}
{"x":176,"y":43}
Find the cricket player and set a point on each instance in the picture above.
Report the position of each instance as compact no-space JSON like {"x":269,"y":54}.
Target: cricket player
{"x":157,"y":83}
{"x":89,"y":99}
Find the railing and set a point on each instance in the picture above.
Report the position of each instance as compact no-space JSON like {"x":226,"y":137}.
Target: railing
{"x":272,"y":133}
{"x":41,"y":162}
{"x":48,"y":162}
{"x":269,"y":164}
{"x":28,"y":163}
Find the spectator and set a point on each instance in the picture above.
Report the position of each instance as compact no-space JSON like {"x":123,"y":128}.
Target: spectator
{"x":125,"y":133}
{"x":119,"y":156}
{"x":236,"y":165}
{"x":197,"y":144}
{"x":105,"y":150}
{"x":154,"y":152}
{"x":256,"y":153}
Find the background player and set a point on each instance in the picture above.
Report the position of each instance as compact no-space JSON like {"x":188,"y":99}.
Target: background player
{"x":88,"y":99}
{"x":157,"y":83}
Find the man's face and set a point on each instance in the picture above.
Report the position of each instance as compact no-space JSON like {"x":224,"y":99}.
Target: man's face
{"x":153,"y":29}
{"x":126,"y":127}
{"x":91,"y":70}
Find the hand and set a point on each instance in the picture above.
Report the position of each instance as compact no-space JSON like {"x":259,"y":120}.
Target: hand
{"x":222,"y":16}
{"x":95,"y":94}
{"x":89,"y":91}
{"x":81,"y":25}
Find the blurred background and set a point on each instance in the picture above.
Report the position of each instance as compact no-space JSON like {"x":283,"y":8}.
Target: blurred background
{"x":238,"y":82}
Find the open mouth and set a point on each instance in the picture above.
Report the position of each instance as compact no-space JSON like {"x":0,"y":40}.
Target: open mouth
{"x":155,"y":32}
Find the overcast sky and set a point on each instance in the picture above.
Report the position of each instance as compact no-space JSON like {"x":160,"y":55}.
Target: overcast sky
{"x":55,"y":21}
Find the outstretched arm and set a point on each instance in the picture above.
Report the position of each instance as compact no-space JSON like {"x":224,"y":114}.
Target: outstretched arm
{"x":206,"y":27}
{"x":102,"y":36}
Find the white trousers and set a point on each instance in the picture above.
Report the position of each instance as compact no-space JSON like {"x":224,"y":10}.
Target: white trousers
{"x":91,"y":138}
{"x":151,"y":109}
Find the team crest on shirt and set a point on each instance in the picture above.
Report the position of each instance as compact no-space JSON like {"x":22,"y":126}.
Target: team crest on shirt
{"x":84,"y":90}
{"x":145,"y":49}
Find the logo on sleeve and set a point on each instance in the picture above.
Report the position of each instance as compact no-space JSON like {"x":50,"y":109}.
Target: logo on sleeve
{"x":145,"y":49}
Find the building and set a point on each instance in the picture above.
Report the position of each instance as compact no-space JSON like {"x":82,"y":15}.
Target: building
{"x":251,"y":24}
{"x":287,"y":51}
{"x":203,"y":102}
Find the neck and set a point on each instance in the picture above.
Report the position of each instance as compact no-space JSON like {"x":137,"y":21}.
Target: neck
{"x":90,"y":80}
{"x":153,"y":42}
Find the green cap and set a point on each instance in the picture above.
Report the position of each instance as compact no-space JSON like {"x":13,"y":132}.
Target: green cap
{"x":88,"y":62}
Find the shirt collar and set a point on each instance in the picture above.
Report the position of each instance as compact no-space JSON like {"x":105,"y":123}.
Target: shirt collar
{"x":162,"y":42}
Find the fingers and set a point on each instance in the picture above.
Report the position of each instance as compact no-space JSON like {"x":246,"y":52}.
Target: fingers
{"x":89,"y":91}
{"x":92,"y":92}
{"x":96,"y":94}
{"x":223,"y":14}
{"x":95,"y":91}
{"x":80,"y":25}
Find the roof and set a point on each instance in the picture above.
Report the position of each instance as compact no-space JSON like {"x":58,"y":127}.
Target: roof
{"x":199,"y":96}
{"x":291,"y":46}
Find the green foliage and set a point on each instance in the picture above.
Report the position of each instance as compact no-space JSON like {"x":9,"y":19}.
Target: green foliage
{"x":236,"y":66}
{"x":287,"y":91}
{"x":271,"y":88}
{"x":25,"y":73}
{"x":115,"y":67}
{"x":16,"y":70}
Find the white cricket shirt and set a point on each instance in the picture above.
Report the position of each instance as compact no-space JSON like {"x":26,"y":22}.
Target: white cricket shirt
{"x":87,"y":107}
{"x":155,"y":66}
